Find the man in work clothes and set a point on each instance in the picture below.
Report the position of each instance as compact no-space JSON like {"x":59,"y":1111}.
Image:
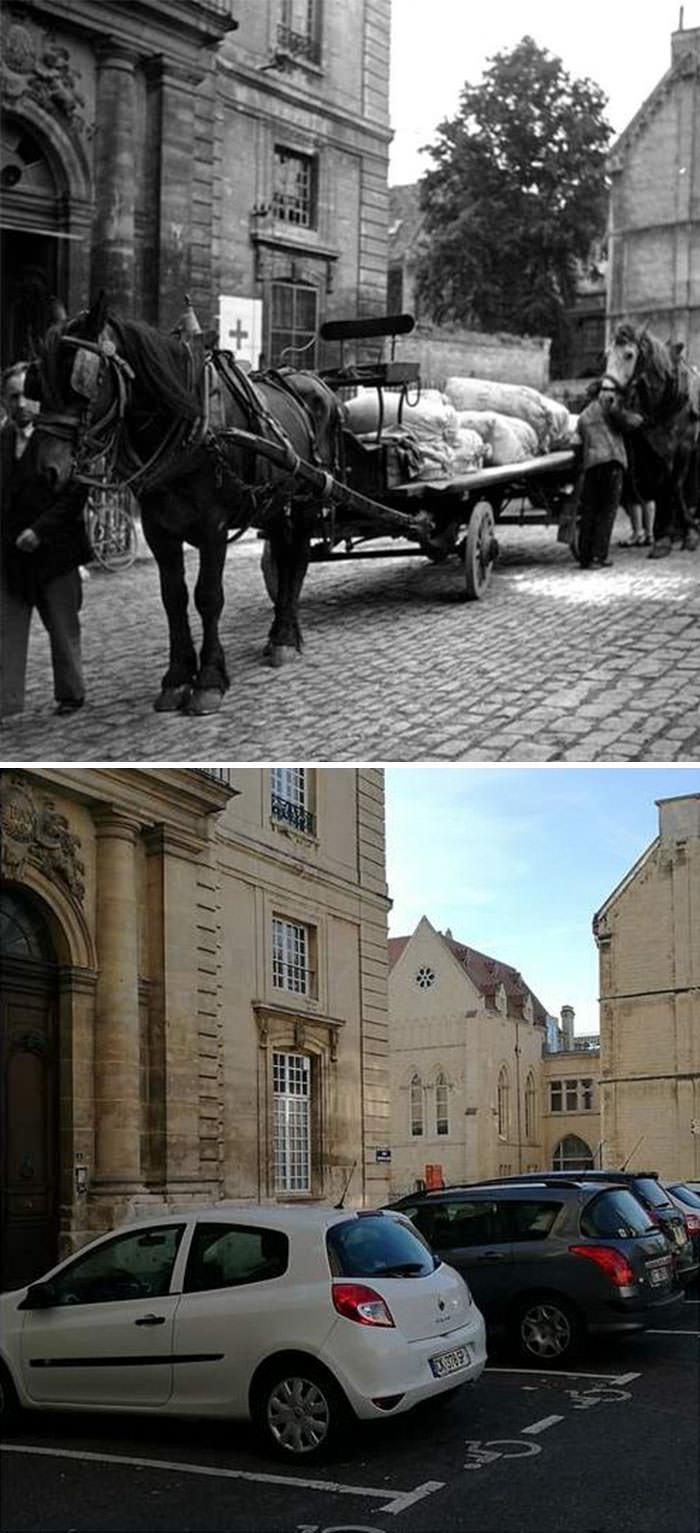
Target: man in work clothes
{"x":42,"y":547}
{"x":604,"y":460}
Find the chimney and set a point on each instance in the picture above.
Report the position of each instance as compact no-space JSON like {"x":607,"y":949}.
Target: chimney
{"x":679,"y":818}
{"x":567,"y":1026}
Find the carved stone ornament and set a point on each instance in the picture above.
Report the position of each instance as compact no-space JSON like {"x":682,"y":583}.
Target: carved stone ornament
{"x":33,"y":831}
{"x":35,"y":64}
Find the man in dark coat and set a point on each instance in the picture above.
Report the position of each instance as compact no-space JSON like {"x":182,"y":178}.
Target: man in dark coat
{"x":43,"y":543}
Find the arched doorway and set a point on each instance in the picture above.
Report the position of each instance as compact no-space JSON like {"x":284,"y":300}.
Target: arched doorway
{"x":29,"y":1087}
{"x":32,"y":251}
{"x":572,"y":1154}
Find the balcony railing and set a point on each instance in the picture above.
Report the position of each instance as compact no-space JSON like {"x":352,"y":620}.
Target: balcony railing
{"x":217,"y":774}
{"x":299,"y":44}
{"x":292,"y":814}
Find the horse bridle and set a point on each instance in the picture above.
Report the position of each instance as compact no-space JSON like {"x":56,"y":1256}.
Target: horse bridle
{"x":91,"y":441}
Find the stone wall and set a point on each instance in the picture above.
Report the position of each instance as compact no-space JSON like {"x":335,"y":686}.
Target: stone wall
{"x":445,"y":353}
{"x":649,"y":950}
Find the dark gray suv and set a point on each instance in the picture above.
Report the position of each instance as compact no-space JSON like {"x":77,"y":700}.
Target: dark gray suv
{"x":550,"y":1261}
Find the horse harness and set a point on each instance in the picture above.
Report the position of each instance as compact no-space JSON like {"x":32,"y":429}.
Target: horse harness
{"x":106,"y":438}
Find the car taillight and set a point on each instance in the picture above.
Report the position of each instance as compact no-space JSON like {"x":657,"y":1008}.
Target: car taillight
{"x":356,"y":1301}
{"x":692,"y":1224}
{"x":612,"y":1263}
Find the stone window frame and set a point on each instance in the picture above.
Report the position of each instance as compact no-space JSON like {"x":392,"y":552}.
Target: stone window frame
{"x":416,"y":1106}
{"x":530,"y":1106}
{"x":503,"y":1102}
{"x":293,"y":800}
{"x":282,"y":1029}
{"x":442,"y":1109}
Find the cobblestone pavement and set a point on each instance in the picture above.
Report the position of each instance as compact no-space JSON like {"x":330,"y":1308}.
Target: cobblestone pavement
{"x":555,"y":664}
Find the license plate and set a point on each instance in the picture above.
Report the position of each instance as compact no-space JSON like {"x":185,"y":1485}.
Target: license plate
{"x":658,"y":1274}
{"x":449,"y":1362}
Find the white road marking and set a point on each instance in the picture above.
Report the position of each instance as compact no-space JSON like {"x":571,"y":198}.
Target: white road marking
{"x":560,"y":1373}
{"x":407,"y":1498}
{"x":626,"y":1378}
{"x":541,"y":1426}
{"x":398,"y":1499}
{"x":669,"y":1332}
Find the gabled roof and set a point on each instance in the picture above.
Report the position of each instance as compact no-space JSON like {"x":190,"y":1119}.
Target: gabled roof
{"x":485,"y":973}
{"x":684,"y":64}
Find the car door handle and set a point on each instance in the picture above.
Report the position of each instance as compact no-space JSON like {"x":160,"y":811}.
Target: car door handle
{"x":150,"y":1320}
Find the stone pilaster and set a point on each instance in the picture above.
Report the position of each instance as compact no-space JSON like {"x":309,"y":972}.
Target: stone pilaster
{"x":117,"y":1034}
{"x":175,"y":90}
{"x":115,"y":176}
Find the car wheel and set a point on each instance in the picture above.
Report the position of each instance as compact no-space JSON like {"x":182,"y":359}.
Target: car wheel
{"x":547,"y":1329}
{"x":299,"y":1409}
{"x":9,"y":1404}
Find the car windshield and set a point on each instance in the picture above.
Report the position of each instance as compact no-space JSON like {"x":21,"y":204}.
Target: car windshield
{"x":378,"y":1246}
{"x":685,"y":1194}
{"x":617,"y":1214}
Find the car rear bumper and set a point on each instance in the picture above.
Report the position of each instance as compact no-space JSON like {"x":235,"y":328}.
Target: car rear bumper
{"x":385,"y":1368}
{"x":633,"y":1314}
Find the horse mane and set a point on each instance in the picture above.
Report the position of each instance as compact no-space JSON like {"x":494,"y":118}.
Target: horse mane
{"x":159,"y":364}
{"x":655,"y":355}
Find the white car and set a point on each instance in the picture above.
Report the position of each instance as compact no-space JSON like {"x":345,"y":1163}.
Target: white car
{"x":294,"y":1316}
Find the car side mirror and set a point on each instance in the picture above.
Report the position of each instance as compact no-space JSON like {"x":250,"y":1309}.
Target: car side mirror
{"x":39,"y":1296}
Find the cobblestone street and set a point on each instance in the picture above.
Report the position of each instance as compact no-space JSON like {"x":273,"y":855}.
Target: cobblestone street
{"x":555,"y":664}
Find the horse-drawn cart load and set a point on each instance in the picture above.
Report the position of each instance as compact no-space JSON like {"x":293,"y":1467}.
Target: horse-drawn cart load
{"x":207,"y":448}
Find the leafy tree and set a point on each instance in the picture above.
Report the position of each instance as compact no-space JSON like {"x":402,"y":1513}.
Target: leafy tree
{"x":517,"y":196}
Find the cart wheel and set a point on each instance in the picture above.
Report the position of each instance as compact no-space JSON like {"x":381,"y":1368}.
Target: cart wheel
{"x":480,"y":551}
{"x":111,"y":529}
{"x":269,"y":572}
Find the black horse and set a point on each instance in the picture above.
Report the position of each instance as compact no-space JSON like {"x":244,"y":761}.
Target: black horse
{"x":664,"y":460}
{"x":143,"y":404}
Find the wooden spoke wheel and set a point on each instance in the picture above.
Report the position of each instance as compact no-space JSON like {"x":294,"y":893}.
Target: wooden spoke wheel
{"x":480,"y":551}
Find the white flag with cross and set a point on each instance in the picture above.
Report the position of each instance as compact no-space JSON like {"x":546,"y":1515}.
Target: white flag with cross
{"x":240,"y":328}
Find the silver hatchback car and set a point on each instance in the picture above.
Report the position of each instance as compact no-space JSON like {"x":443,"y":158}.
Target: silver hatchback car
{"x":296,"y":1317}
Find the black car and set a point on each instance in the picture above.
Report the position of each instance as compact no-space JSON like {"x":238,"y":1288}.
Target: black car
{"x":551,"y":1261}
{"x":687,"y":1201}
{"x":648,"y":1190}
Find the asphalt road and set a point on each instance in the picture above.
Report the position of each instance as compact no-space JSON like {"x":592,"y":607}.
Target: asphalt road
{"x":611,"y":1448}
{"x":555,"y":664}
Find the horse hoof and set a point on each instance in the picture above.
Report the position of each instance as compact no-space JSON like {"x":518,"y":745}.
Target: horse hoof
{"x":661,"y":549}
{"x":171,"y":699}
{"x":204,"y":700}
{"x":280,"y":654}
{"x":692,"y":541}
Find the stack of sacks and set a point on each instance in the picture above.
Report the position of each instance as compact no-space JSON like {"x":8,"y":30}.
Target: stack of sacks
{"x":472,"y":452}
{"x":548,"y":419}
{"x":432,"y":422}
{"x":510,"y":439}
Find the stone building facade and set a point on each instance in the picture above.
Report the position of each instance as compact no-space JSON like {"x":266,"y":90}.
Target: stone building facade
{"x":474,"y":1058}
{"x":654,"y":220}
{"x":648,"y":936}
{"x":194,"y":994}
{"x":233,"y":150}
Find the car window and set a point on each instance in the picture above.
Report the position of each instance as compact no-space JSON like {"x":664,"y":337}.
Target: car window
{"x":452,"y":1223}
{"x":649,"y":1191}
{"x":227,"y":1255}
{"x":134,"y":1266}
{"x":617,"y":1213}
{"x":685,"y":1194}
{"x":532,"y":1219}
{"x":377,"y":1247}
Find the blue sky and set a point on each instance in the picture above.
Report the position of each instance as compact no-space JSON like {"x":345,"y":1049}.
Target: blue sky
{"x":624,"y":46}
{"x":516,"y":860}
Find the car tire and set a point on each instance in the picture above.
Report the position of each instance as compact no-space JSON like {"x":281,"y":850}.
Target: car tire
{"x":9,"y":1403}
{"x":299,"y":1409}
{"x":546,"y":1330}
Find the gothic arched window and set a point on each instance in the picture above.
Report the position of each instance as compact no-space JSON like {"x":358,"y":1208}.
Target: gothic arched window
{"x":416,"y":1105}
{"x":572,"y":1154}
{"x":503,"y":1102}
{"x":442,"y":1120}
